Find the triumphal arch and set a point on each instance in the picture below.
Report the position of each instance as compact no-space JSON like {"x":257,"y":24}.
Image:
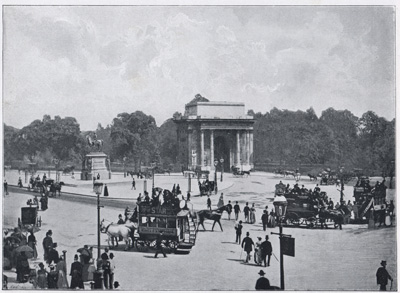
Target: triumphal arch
{"x":211,"y":131}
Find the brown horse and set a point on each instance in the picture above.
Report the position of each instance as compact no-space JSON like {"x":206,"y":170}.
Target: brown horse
{"x":214,"y":215}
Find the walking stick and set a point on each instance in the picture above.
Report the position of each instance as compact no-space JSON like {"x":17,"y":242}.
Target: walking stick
{"x":275,"y":257}
{"x":391,"y":285}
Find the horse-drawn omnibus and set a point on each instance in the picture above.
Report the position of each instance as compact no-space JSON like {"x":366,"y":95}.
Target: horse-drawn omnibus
{"x":176,"y":222}
{"x":309,"y":210}
{"x":368,"y":197}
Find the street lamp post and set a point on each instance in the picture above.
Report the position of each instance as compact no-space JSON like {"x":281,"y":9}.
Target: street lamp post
{"x":215,"y":170}
{"x":222,"y":168}
{"x":280,"y":204}
{"x":341,"y":184}
{"x":98,"y":189}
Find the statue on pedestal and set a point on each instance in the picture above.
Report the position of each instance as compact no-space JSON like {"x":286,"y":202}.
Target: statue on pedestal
{"x":94,"y":142}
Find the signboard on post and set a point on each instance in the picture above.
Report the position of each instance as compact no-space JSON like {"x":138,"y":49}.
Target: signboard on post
{"x":287,"y":246}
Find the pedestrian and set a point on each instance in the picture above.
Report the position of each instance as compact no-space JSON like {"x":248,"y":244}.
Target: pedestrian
{"x":264,"y":220}
{"x":271,"y":219}
{"x":246,"y":211}
{"x":221,"y":201}
{"x":106,"y":267}
{"x":391,"y":210}
{"x":98,"y":176}
{"x":20,"y":182}
{"x":133,"y":183}
{"x":247,"y":245}
{"x":257,"y":252}
{"x":32,"y":244}
{"x":188,"y":196}
{"x":208,"y":202}
{"x":52,"y":278}
{"x":266,"y":250}
{"x":42,"y":277}
{"x":47,"y":243}
{"x":229,"y":209}
{"x":178,"y":189}
{"x":5,"y":184}
{"x":382,"y":276}
{"x":61,"y":270}
{"x":159,"y":247}
{"x":238,"y":229}
{"x":52,"y":255}
{"x":22,"y":266}
{"x":112,"y":268}
{"x":76,"y":274}
{"x":252,"y":214}
{"x":262,"y":282}
{"x":381,"y":216}
{"x":236,"y":207}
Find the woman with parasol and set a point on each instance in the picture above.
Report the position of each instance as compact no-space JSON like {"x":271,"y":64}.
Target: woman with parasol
{"x":22,"y":265}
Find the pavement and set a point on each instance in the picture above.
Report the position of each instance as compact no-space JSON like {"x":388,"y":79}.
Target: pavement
{"x":328,"y":259}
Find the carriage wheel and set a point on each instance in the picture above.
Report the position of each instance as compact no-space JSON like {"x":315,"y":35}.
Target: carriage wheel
{"x":311,"y":222}
{"x":141,"y":246}
{"x":293,"y":219}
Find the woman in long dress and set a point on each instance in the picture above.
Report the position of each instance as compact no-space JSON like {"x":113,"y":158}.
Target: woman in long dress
{"x":32,"y":244}
{"x":252,"y":214}
{"x":257,"y":252}
{"x":221,"y":201}
{"x":62,"y":274}
{"x":42,"y":277}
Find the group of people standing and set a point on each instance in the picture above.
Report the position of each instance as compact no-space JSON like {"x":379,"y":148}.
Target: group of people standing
{"x":262,"y":250}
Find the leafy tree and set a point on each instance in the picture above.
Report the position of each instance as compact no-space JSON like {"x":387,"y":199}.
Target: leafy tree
{"x":134,"y":136}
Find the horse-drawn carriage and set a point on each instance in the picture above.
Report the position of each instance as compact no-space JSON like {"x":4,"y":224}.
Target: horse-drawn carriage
{"x":175,"y":222}
{"x":327,"y":178}
{"x":309,"y":210}
{"x":207,"y":187}
{"x":237,"y":172}
{"x":29,"y":218}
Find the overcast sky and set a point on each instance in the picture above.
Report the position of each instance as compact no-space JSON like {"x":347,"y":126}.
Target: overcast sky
{"x":93,"y":63}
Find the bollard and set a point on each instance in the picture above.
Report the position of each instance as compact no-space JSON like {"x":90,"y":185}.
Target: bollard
{"x":98,"y":279}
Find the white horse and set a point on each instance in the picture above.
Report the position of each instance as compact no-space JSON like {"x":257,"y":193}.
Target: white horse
{"x":115,"y":230}
{"x":96,"y":142}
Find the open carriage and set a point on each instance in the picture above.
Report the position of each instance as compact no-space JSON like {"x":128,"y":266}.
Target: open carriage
{"x":174,"y":221}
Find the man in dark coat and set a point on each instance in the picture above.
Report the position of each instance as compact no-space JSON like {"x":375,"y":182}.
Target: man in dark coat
{"x":52,"y":278}
{"x":266,"y":249}
{"x":246,"y":211}
{"x":47,"y":243}
{"x":382,"y":276}
{"x":264,"y":219}
{"x":53,"y":255}
{"x":238,"y":229}
{"x":247,"y":245}
{"x":262,"y":282}
{"x":229,"y":209}
{"x":76,"y":274}
{"x":237,"y":211}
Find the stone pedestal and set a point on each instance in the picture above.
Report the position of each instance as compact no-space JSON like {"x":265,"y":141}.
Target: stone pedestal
{"x":96,"y":163}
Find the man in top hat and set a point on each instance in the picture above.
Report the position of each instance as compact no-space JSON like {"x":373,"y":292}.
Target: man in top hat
{"x":247,"y":245}
{"x":266,"y":250}
{"x":262,"y":282}
{"x":382,"y":276}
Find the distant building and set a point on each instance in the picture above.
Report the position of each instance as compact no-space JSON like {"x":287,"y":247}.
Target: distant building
{"x":210,"y":131}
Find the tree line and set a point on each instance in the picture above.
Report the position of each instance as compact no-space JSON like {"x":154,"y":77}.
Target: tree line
{"x":281,"y":137}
